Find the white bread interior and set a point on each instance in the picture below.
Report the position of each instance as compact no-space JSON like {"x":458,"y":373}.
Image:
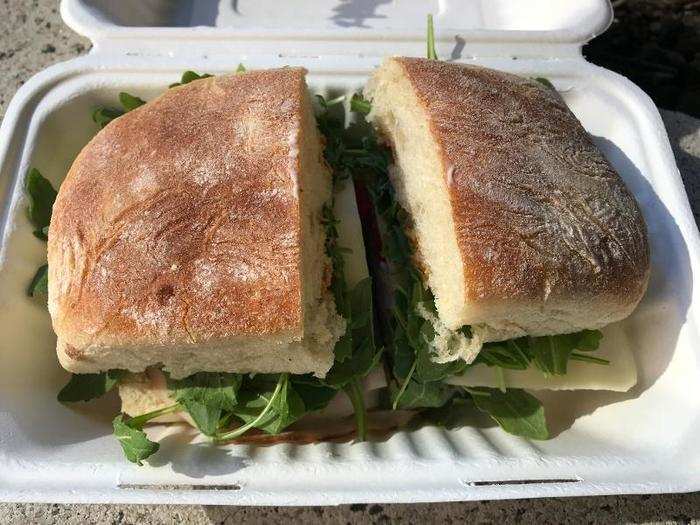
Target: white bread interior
{"x":322,"y":324}
{"x":420,"y":186}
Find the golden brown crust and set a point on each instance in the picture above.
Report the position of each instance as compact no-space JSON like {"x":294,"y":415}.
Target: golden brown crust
{"x":179,"y":223}
{"x":540,"y":215}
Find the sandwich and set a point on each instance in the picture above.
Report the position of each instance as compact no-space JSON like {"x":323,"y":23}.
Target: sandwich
{"x":203,"y":259}
{"x":206,"y":256}
{"x":508,"y":242}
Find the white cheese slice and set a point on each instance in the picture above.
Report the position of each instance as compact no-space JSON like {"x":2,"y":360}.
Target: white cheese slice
{"x":619,"y":376}
{"x":350,"y":234}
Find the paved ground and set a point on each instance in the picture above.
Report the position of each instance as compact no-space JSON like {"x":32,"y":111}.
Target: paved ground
{"x":30,"y":42}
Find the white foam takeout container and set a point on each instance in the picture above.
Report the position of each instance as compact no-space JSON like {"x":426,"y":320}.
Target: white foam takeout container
{"x":643,"y":441}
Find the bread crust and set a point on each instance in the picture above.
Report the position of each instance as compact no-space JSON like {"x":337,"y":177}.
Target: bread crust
{"x":545,"y":226}
{"x":178,"y":225}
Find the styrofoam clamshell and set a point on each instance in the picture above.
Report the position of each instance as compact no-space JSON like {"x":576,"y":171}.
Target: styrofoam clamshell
{"x":642,"y":441}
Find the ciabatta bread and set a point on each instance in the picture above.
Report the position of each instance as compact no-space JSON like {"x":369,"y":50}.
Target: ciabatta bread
{"x":522,"y":226}
{"x":188,"y":233}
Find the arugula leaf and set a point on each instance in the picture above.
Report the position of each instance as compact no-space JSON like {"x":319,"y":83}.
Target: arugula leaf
{"x":453,"y":414}
{"x":216,"y":388}
{"x":270,"y":410}
{"x":103,"y":116}
{"x":312,"y":391}
{"x":134,"y":442}
{"x":588,"y":359}
{"x":84,"y":387}
{"x":133,"y":439}
{"x":515,"y":411}
{"x":206,"y":395}
{"x":348,"y":156}
{"x":39,"y":286}
{"x":206,"y":417}
{"x":338,"y":286}
{"x":551,"y":354}
{"x":356,"y":352}
{"x":587,"y":340}
{"x":545,"y":82}
{"x":361,"y":330}
{"x":41,"y":195}
{"x":402,"y":354}
{"x":130,"y":101}
{"x":417,"y":394}
{"x":359,"y":104}
{"x":431,"y":39}
{"x":512,"y":354}
{"x":189,"y":76}
{"x":326,"y":104}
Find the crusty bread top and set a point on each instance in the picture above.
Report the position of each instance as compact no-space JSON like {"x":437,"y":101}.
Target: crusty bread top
{"x":540,"y":215}
{"x":179,"y":223}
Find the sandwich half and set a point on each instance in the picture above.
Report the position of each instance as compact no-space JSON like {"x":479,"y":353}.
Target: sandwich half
{"x":509,"y":238}
{"x":188,"y":234}
{"x":204,"y":259}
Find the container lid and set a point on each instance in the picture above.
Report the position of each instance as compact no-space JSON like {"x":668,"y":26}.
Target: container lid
{"x":336,"y":26}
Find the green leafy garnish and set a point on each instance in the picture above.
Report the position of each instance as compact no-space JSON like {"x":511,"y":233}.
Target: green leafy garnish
{"x":575,"y":356}
{"x":356,"y":353}
{"x":359,"y":104}
{"x":545,"y":82}
{"x":39,"y":286}
{"x":130,"y":101}
{"x":416,"y":394}
{"x":431,"y":39}
{"x":134,"y":442}
{"x":551,"y":354}
{"x":268,"y":409}
{"x":240,"y":69}
{"x":354,"y":393}
{"x":189,"y":76}
{"x":133,"y":439}
{"x":312,"y":391}
{"x":104,"y":115}
{"x":363,"y":355}
{"x":206,"y":396}
{"x":512,"y":354}
{"x":515,"y":411}
{"x":84,"y":387}
{"x":41,"y":195}
{"x":454,"y":413}
{"x":326,"y":104}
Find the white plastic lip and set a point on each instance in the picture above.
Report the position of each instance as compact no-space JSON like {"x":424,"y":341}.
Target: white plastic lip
{"x":375,"y":481}
{"x":83,"y":20}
